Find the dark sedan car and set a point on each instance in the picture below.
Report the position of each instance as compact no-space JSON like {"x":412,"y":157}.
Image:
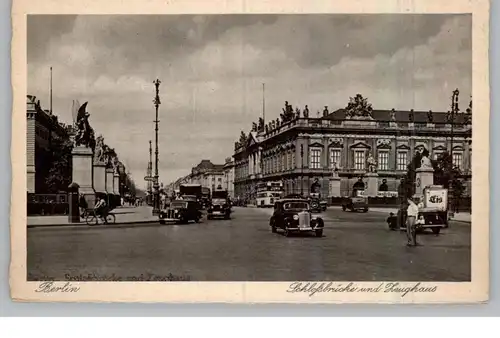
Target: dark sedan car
{"x":181,"y":211}
{"x":294,"y":216}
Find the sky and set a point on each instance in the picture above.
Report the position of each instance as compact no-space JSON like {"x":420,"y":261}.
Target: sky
{"x":212,"y":68}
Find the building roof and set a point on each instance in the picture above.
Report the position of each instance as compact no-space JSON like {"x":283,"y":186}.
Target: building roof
{"x":401,"y":116}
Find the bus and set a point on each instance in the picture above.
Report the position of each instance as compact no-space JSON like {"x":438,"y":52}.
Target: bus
{"x":267,"y":193}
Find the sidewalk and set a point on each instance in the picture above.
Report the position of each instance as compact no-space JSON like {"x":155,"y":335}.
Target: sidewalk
{"x":124,"y":215}
{"x":459,"y":217}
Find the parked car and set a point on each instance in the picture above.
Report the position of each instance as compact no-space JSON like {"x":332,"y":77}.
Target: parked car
{"x":294,"y":216}
{"x":181,"y":211}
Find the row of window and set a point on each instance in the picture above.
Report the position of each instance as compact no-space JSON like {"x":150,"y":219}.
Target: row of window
{"x":286,"y":161}
{"x":382,"y":161}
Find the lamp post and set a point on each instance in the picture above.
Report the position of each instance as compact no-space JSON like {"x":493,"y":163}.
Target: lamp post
{"x":302,"y":169}
{"x":454,"y":110}
{"x":156,"y":193}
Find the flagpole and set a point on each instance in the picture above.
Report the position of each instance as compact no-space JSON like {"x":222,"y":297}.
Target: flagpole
{"x":264,"y":103}
{"x":50,"y":90}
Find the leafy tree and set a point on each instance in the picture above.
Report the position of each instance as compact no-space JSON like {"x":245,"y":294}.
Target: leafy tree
{"x":445,"y":174}
{"x":59,"y":169}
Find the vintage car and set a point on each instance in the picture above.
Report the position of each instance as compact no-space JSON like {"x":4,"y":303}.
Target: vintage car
{"x":317,"y":204}
{"x":293,"y":215}
{"x":219,"y":205}
{"x":433,"y":211}
{"x":355,"y":202}
{"x":181,"y":211}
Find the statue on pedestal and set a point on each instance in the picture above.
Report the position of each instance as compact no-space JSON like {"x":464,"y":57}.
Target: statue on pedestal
{"x":85,"y":134}
{"x":372,"y":164}
{"x":425,"y":163}
{"x":335,"y":172}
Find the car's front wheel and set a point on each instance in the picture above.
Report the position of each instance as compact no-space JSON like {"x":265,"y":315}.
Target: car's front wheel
{"x":343,"y":208}
{"x":319,"y":233}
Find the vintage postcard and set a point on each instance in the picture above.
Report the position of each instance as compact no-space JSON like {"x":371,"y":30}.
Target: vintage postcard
{"x":250,"y":151}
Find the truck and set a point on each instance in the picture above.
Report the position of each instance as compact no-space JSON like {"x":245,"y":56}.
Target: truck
{"x":219,"y":205}
{"x":190,"y":191}
{"x":433,"y":209}
{"x":205,"y":196}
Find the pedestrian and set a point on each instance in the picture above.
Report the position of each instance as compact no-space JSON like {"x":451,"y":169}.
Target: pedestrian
{"x":392,"y":221}
{"x":411,"y":218}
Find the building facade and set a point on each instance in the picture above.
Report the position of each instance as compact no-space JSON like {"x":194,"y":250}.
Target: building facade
{"x":41,"y":130}
{"x":303,"y":151}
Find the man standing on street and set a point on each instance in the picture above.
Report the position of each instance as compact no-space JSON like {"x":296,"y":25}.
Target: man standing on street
{"x":412,"y":214}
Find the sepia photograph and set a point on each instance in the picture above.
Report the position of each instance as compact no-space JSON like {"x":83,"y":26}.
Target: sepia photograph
{"x":250,"y":147}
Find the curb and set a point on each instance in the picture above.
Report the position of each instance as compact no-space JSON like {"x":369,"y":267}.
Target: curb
{"x":83,"y":224}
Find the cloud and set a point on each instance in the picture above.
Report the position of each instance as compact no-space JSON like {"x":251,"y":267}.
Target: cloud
{"x":212,"y":69}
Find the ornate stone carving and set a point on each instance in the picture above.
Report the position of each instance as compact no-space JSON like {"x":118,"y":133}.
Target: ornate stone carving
{"x":383,"y":142}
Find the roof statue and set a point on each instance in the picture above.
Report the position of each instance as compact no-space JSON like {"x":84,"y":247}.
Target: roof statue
{"x":411,"y":116}
{"x":85,"y":133}
{"x":260,"y":127}
{"x":393,"y":115}
{"x":430,"y":117}
{"x":358,"y":108}
{"x":306,"y":112}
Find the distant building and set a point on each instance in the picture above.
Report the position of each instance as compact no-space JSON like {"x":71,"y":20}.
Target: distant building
{"x":42,"y":129}
{"x":228,"y":181}
{"x":208,"y":175}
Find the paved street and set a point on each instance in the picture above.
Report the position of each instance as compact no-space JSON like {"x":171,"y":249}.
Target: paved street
{"x":355,"y":246}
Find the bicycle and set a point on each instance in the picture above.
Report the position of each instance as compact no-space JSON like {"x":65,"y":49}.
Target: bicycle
{"x":93,"y":219}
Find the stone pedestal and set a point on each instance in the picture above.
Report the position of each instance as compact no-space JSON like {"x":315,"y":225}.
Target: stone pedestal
{"x":371,"y":185}
{"x":100,"y":177}
{"x":334,"y":187}
{"x":424,"y":177}
{"x":116,"y":189}
{"x":82,"y":163}
{"x":116,"y":184}
{"x":109,"y":187}
{"x":109,"y":180}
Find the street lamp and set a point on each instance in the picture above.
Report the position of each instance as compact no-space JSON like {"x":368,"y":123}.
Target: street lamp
{"x":156,"y":194}
{"x":302,"y":170}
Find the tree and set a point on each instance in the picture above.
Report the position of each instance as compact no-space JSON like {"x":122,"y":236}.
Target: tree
{"x":59,"y":173}
{"x":445,"y":174}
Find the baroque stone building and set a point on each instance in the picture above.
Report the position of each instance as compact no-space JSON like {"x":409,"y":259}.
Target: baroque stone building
{"x":299,"y":151}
